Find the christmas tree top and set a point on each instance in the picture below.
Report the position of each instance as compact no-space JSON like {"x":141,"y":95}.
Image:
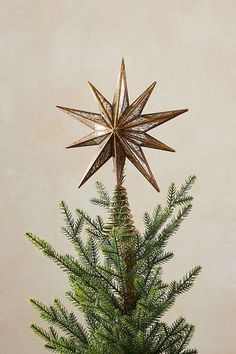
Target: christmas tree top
{"x":115,"y":275}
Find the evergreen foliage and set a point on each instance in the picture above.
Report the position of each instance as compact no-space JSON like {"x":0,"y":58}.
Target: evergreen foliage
{"x":121,"y":294}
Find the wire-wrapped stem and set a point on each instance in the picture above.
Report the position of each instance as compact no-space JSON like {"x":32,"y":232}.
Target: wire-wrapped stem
{"x":119,"y":216}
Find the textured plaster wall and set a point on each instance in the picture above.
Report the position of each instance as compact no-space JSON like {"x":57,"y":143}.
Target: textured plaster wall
{"x":49,"y":49}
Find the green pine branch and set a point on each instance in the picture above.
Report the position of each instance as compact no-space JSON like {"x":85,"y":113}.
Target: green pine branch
{"x":174,"y":338}
{"x":57,"y":314}
{"x":68,"y":263}
{"x":103,"y":198}
{"x":56,"y":343}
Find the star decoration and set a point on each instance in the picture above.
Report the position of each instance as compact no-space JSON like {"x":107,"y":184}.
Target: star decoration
{"x":121,"y":130}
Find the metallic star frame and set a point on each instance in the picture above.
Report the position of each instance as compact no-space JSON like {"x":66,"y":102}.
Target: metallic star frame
{"x":121,"y":129}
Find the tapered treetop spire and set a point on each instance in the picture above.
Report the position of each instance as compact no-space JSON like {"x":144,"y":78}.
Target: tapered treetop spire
{"x":120,"y":130}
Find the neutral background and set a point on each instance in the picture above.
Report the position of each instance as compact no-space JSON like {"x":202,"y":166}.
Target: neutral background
{"x":49,"y":49}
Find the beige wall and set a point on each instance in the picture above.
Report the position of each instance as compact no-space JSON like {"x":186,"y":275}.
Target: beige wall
{"x":49,"y":49}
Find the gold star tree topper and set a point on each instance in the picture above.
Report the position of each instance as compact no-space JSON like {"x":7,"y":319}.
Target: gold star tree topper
{"x":120,"y":130}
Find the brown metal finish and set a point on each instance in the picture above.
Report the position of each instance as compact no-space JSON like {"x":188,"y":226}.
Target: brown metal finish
{"x":120,"y":130}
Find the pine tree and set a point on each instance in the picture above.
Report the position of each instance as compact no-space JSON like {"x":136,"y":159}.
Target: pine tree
{"x":116,"y":280}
